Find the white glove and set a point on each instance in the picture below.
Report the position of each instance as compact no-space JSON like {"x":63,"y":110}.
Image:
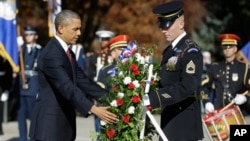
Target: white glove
{"x":5,"y":96}
{"x":240,"y":99}
{"x":209,"y":107}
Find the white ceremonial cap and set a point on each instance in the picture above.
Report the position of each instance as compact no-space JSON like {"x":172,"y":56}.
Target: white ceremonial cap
{"x":104,"y":34}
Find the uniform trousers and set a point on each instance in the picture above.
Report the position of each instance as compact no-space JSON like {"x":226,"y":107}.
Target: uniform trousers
{"x":26,"y":106}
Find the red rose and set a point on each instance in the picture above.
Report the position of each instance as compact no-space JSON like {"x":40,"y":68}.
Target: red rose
{"x":131,"y":86}
{"x":136,"y":99}
{"x":126,"y":118}
{"x":136,"y":72}
{"x":119,"y":102}
{"x":133,"y":67}
{"x":149,"y":107}
{"x":110,"y":133}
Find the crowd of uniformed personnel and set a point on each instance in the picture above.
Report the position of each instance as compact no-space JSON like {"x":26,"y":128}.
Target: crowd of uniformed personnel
{"x":183,"y":77}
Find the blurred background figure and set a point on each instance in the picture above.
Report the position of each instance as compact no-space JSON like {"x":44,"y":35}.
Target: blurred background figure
{"x":96,"y":59}
{"x":80,"y":55}
{"x":29,"y":53}
{"x":230,"y":78}
{"x":207,"y":60}
{"x":5,"y":87}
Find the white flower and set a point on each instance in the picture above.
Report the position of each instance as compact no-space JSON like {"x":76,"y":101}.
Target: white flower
{"x":103,"y":123}
{"x":120,"y":95}
{"x":136,"y":83}
{"x":113,"y":103}
{"x":137,"y":56}
{"x":120,"y":73}
{"x":148,"y":59}
{"x":131,"y":110}
{"x":127,"y":80}
{"x":142,"y":60}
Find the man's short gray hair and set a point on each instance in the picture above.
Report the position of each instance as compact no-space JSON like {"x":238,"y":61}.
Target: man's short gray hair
{"x":65,"y":17}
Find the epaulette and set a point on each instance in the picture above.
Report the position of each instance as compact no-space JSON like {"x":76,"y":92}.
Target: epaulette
{"x":191,"y":46}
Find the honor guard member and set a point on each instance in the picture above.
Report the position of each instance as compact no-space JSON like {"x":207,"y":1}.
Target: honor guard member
{"x":29,"y":81}
{"x":104,"y":38}
{"x":115,"y":47}
{"x":104,"y":56}
{"x":229,"y":77}
{"x":180,"y":73}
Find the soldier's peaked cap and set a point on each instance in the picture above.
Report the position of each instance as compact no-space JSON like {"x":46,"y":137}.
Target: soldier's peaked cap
{"x":168,"y":12}
{"x":229,"y":39}
{"x":30,"y":30}
{"x":119,"y":41}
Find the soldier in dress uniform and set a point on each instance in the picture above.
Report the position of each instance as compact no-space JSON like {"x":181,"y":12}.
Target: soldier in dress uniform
{"x":29,"y":83}
{"x":5,"y":85}
{"x":115,"y":47}
{"x":180,"y":73}
{"x":229,"y":77}
{"x":104,"y":38}
{"x":96,"y":60}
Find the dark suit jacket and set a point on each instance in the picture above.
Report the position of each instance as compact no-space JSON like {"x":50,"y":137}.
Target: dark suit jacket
{"x":63,"y":88}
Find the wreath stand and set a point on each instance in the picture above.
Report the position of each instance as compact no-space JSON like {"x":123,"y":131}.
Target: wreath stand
{"x":146,"y":112}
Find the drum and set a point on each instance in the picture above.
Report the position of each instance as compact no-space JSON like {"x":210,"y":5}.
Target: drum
{"x":218,"y":123}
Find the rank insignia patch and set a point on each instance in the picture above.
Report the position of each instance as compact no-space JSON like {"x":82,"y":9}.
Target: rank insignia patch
{"x":190,"y":68}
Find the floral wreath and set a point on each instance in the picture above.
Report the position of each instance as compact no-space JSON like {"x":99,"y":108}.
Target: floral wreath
{"x":126,"y":95}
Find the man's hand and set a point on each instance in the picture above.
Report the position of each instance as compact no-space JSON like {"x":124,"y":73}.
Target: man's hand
{"x":104,"y":114}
